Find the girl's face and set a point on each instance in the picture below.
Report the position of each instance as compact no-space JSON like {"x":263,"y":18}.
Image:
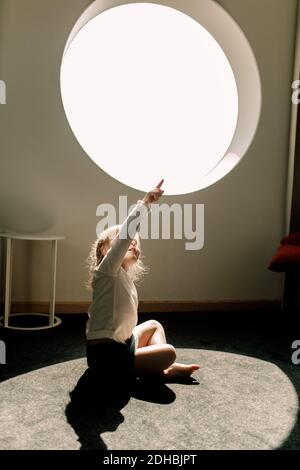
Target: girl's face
{"x":132,"y":254}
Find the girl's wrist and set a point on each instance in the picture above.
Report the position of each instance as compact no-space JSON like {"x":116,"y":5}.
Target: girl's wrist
{"x":146,"y":202}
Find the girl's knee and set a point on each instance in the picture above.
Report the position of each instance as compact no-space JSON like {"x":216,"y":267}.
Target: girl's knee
{"x":155,"y":324}
{"x":170,"y":353}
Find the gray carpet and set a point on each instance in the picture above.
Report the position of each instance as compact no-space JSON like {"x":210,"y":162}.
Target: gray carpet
{"x":236,"y":402}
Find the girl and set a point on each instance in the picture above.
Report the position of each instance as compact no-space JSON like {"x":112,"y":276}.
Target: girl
{"x":114,"y":340}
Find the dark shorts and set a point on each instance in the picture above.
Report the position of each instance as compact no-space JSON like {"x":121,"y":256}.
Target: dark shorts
{"x":112,"y":357}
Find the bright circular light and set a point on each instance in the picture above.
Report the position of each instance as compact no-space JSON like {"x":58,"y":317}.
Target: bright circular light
{"x":150,"y":94}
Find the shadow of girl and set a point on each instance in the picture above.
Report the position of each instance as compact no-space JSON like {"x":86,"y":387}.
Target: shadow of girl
{"x":95,"y":404}
{"x":94,"y":408}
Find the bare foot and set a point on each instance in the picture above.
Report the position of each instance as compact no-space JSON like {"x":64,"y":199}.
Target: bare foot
{"x":177,"y":370}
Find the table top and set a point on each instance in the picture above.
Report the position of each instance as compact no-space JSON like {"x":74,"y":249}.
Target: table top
{"x":31,"y":236}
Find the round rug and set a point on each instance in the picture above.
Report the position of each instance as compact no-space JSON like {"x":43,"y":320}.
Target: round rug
{"x":237,"y":402}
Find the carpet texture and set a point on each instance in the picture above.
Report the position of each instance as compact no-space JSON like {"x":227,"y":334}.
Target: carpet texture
{"x":235,"y":402}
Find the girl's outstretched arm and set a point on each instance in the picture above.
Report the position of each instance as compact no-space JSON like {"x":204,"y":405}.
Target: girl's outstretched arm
{"x":129,"y":228}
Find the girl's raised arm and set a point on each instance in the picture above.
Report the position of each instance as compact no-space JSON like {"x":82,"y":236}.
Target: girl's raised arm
{"x":129,"y":228}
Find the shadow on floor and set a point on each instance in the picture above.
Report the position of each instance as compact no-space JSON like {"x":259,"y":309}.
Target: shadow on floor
{"x":93,"y":410}
{"x":95,"y":407}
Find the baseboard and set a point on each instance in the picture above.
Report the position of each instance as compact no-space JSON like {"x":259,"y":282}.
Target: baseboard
{"x":155,"y":306}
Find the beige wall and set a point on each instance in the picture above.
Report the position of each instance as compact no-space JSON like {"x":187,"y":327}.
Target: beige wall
{"x":49,"y":184}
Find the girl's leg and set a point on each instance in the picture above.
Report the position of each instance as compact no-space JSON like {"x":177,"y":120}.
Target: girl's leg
{"x":154,"y":355}
{"x":149,"y":332}
{"x":153,"y":359}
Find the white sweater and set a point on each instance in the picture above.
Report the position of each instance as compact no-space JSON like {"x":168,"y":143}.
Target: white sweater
{"x":113,"y":312}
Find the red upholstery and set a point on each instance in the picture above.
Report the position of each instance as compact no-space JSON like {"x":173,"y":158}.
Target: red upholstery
{"x":286,"y":258}
{"x":291,"y":239}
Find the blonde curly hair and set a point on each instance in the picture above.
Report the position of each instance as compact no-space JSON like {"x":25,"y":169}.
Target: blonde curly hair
{"x":135,"y":271}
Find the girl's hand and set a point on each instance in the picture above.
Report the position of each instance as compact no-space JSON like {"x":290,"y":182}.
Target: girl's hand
{"x":155,"y":194}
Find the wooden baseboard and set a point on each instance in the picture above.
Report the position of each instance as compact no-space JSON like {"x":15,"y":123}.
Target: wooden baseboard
{"x":155,"y":306}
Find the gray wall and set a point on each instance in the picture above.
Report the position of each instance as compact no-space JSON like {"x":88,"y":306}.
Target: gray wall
{"x":49,"y":184}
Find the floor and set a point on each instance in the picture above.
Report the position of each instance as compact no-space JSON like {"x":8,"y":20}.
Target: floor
{"x":250,"y":344}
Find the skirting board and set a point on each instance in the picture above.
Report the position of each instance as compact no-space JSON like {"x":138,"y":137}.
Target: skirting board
{"x":154,"y":306}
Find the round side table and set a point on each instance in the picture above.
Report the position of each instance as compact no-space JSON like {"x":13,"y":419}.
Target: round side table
{"x":10,"y":237}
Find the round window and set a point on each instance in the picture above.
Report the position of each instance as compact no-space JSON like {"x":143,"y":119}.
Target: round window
{"x":150,"y":93}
